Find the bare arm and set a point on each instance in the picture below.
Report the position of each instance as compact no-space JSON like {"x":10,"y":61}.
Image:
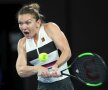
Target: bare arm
{"x":61,"y":42}
{"x":22,"y":68}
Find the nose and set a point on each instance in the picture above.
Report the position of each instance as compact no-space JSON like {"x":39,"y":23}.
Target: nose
{"x":23,"y":26}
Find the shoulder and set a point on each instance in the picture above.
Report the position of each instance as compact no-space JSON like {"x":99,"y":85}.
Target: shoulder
{"x":51,"y":25}
{"x":21,"y":42}
{"x":52,"y":28}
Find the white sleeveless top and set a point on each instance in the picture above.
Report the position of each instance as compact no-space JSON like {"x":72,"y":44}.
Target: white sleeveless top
{"x":44,"y":44}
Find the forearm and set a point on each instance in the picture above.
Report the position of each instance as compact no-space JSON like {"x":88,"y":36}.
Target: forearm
{"x":26,"y":71}
{"x":64,"y":57}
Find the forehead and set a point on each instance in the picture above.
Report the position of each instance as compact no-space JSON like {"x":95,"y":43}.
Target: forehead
{"x":25,"y":17}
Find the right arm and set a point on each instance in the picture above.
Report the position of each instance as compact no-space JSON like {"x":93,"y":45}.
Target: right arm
{"x":22,"y":68}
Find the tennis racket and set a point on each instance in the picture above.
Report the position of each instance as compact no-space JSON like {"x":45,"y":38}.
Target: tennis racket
{"x":89,"y":68}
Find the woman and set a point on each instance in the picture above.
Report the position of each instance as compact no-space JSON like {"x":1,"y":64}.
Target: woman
{"x":42,"y":37}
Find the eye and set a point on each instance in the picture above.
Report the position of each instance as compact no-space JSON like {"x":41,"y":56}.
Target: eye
{"x":28,"y":22}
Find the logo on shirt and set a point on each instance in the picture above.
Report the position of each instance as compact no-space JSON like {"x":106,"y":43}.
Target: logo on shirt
{"x":43,"y":39}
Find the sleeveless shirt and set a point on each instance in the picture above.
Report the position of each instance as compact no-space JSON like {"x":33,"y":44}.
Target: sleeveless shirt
{"x":44,"y":44}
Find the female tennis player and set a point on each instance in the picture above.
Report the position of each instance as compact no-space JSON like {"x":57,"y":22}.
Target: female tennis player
{"x":40,"y":37}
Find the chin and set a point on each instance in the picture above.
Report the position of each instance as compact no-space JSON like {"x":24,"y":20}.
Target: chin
{"x":28,"y":37}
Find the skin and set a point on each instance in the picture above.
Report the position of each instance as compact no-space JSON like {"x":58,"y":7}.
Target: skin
{"x":30,"y":27}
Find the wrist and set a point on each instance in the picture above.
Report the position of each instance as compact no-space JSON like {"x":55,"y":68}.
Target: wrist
{"x":56,"y":65}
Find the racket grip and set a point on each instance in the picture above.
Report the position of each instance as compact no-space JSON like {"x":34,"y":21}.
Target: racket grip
{"x":58,"y":72}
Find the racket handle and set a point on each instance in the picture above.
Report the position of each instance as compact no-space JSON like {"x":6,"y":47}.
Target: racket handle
{"x":58,"y":72}
{"x":68,"y":75}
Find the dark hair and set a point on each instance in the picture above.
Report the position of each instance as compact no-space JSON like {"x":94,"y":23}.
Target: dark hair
{"x":32,"y":9}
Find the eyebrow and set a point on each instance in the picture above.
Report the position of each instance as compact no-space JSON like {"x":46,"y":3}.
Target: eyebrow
{"x":26,"y":20}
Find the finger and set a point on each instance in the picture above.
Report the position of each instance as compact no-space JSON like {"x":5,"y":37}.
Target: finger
{"x":54,"y":74}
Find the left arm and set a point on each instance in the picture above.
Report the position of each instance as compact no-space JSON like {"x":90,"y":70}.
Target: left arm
{"x":61,"y":43}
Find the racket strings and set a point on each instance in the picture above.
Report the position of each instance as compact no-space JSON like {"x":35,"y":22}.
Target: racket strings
{"x":90,"y":69}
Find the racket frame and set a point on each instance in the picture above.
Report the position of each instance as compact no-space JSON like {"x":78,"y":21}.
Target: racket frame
{"x":79,"y":56}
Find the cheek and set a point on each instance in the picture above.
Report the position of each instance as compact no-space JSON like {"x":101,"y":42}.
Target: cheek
{"x":20,"y":27}
{"x":33,"y":27}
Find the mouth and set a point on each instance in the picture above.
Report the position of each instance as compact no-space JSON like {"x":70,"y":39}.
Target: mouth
{"x":26,"y":33}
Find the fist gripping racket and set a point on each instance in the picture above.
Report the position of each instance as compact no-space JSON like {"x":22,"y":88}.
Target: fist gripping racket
{"x":89,"y":68}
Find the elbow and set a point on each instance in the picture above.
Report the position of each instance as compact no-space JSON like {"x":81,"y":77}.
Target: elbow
{"x":22,"y":75}
{"x":21,"y":72}
{"x":68,"y":53}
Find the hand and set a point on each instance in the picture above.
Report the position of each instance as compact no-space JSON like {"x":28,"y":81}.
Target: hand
{"x":42,"y":71}
{"x":54,"y":71}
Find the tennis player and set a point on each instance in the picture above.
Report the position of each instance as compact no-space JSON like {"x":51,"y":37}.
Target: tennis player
{"x":42,"y":37}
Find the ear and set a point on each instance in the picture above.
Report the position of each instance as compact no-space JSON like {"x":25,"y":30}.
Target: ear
{"x":38,"y":21}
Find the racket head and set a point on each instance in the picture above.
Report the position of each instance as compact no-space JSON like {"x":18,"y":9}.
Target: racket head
{"x":90,"y":69}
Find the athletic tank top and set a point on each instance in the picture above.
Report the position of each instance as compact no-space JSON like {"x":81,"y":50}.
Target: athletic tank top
{"x":44,"y":44}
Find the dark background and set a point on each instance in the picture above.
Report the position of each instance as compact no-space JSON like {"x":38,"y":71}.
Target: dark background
{"x":84,"y":22}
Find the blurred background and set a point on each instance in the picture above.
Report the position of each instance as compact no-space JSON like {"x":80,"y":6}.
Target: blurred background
{"x":84,"y":22}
